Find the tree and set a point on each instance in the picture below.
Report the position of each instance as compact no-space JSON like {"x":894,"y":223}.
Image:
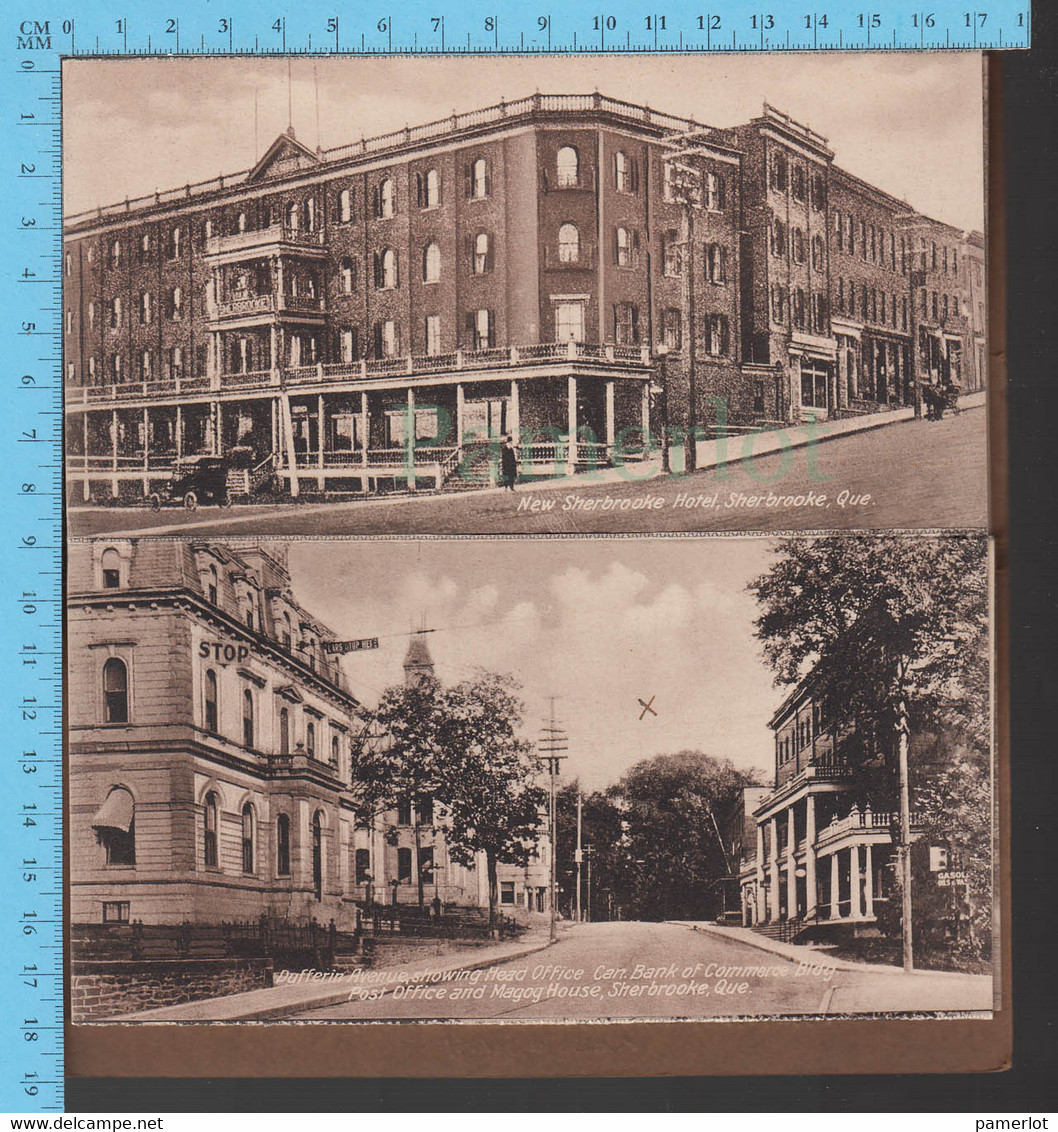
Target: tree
{"x":894,"y":631}
{"x":602,"y":836}
{"x":487,"y":781}
{"x":670,"y":805}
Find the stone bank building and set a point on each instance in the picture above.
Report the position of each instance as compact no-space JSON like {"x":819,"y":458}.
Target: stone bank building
{"x":537,"y":268}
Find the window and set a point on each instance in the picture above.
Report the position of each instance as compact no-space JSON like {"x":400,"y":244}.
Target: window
{"x":778,"y":238}
{"x":387,"y":339}
{"x":874,"y":245}
{"x":240,"y":222}
{"x":146,"y":308}
{"x":91,"y":369}
{"x":567,"y":167}
{"x":146,"y":365}
{"x":347,"y":344}
{"x":433,"y":334}
{"x":839,"y":232}
{"x":431,"y":264}
{"x":625,"y":179}
{"x":819,"y":192}
{"x":345,"y":206}
{"x":569,"y":322}
{"x":91,"y":315}
{"x":363,"y":866}
{"x":115,"y":254}
{"x":291,"y":216}
{"x":671,"y":253}
{"x":626,"y":247}
{"x":115,"y":911}
{"x":778,"y":303}
{"x":348,"y":276}
{"x":404,"y":866}
{"x":892,"y":251}
{"x":176,"y":303}
{"x":668,"y":188}
{"x":176,"y":237}
{"x":798,"y":182}
{"x":426,"y":865}
{"x":385,"y":199}
{"x":145,"y":248}
{"x":818,"y":253}
{"x":404,"y":811}
{"x":115,"y":312}
{"x":672,"y":328}
{"x":881,"y":307}
{"x":944,"y":307}
{"x":115,"y":827}
{"x":716,"y":336}
{"x":716,"y":263}
{"x":115,"y":691}
{"x":841,"y":294}
{"x":248,"y":735}
{"x":117,"y":367}
{"x":778,"y":171}
{"x":568,"y":243}
{"x":477,"y":179}
{"x":797,"y":308}
{"x":428,"y":189}
{"x":284,"y":731}
{"x":336,"y":751}
{"x":507,"y":892}
{"x":481,"y":329}
{"x":797,"y":245}
{"x":110,"y":562}
{"x":309,"y":208}
{"x":626,"y":324}
{"x":819,"y":313}
{"x":310,"y":740}
{"x":283,"y":845}
{"x":863,"y":239}
{"x":481,"y":254}
{"x":387,"y":275}
{"x":714,"y":192}
{"x":247,"y":838}
{"x":212,"y":715}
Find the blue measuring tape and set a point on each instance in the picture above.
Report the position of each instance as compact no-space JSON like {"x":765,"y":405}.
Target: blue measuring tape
{"x":31,"y":1037}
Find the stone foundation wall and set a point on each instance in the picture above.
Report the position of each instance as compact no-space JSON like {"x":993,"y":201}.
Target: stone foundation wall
{"x":103,"y":989}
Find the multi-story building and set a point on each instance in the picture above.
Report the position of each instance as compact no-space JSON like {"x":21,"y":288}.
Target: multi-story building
{"x":825,"y":839}
{"x":517,"y":270}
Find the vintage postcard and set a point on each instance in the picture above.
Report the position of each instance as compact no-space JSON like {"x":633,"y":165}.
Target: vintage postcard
{"x":306,"y":296}
{"x":531,"y":779}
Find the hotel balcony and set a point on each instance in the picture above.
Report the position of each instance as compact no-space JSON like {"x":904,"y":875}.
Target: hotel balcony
{"x":265,"y":306}
{"x":276,"y":238}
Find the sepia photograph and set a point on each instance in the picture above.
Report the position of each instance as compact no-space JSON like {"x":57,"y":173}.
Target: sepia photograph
{"x":516,"y":780}
{"x":587,"y":295}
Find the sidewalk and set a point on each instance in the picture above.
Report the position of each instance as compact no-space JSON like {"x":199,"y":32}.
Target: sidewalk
{"x":921,"y":991}
{"x":329,"y":990}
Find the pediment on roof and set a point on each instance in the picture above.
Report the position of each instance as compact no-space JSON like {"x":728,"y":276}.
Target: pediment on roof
{"x":285,"y":155}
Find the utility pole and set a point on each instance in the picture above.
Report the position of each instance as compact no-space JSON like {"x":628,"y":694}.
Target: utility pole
{"x":552,"y":742}
{"x":579,"y":856}
{"x":588,"y":854}
{"x":904,"y":848}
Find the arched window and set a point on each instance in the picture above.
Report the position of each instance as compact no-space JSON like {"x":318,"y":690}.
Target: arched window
{"x":568,"y":244}
{"x":347,"y":276}
{"x":778,"y":172}
{"x":145,"y":249}
{"x":207,"y":230}
{"x":716,"y":263}
{"x":176,"y":237}
{"x":146,"y":308}
{"x":212,"y":714}
{"x":317,"y":855}
{"x":817,"y":253}
{"x":284,"y":731}
{"x":115,"y":254}
{"x":478,"y":179}
{"x":283,"y":845}
{"x":240,"y":223}
{"x":115,"y":691}
{"x":433,"y":189}
{"x":247,"y":838}
{"x":798,"y":245}
{"x":91,"y":315}
{"x":345,"y":206}
{"x":209,"y":831}
{"x":482,"y":254}
{"x":386,"y":270}
{"x":310,"y":740}
{"x":287,"y":634}
{"x":623,"y":247}
{"x":778,"y":238}
{"x":567,"y":166}
{"x":115,"y":826}
{"x":431,"y":263}
{"x":623,"y":172}
{"x":292,"y":215}
{"x":310,"y":214}
{"x":211,"y":584}
{"x":110,"y":561}
{"x":335,"y":751}
{"x":176,"y":303}
{"x":248,"y":734}
{"x":386,"y":198}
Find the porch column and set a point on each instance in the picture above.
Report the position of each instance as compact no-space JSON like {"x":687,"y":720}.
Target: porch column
{"x":868,"y":882}
{"x":215,"y":353}
{"x":275,"y":425}
{"x":795,"y":387}
{"x":610,"y":431}
{"x":320,"y":438}
{"x":644,"y":411}
{"x":365,"y":432}
{"x":791,"y":865}
{"x":758,"y":895}
{"x":773,"y":868}
{"x":514,"y":416}
{"x":835,"y":887}
{"x":179,"y":433}
{"x":286,"y":428}
{"x":811,"y":895}
{"x":273,"y":361}
{"x":571,"y":424}
{"x":218,"y":434}
{"x":409,"y":440}
{"x":460,"y":413}
{"x":854,"y":883}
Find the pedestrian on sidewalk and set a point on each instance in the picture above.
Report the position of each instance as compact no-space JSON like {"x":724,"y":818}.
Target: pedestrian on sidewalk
{"x":508,"y":464}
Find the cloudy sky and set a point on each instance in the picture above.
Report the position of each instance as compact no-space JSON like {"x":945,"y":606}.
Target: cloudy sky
{"x":910,"y":123}
{"x":598,"y":623}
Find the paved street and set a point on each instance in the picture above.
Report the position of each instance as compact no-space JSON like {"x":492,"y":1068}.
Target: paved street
{"x":908,"y":474}
{"x":644,"y":970}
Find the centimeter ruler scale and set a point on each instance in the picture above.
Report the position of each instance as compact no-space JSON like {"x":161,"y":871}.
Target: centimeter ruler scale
{"x":31,"y":775}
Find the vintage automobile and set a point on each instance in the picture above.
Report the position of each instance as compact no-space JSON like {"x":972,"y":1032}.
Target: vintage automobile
{"x":204,"y":480}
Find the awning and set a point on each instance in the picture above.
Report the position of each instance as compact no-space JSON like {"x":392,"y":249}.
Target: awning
{"x":116,"y":812}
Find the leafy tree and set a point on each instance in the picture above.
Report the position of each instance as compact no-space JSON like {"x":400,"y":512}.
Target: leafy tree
{"x":487,"y":777}
{"x":675,"y":853}
{"x":602,"y":835}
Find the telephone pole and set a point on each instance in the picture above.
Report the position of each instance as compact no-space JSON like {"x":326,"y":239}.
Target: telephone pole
{"x":579,"y":856}
{"x":552,"y":742}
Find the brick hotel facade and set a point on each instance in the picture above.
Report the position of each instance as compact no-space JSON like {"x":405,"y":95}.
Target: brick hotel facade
{"x":212,"y":750}
{"x":520,"y":269}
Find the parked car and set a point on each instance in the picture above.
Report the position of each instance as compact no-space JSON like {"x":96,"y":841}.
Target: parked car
{"x":204,"y":480}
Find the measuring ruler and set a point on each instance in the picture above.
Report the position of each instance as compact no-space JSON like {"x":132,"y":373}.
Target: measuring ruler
{"x":31,"y":1035}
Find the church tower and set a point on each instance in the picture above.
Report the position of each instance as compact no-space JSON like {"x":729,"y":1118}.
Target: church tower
{"x":418,"y":663}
